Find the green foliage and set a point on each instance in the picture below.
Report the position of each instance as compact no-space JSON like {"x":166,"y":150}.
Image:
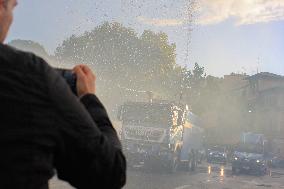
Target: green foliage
{"x":30,"y":46}
{"x":117,"y":53}
{"x":128,"y":65}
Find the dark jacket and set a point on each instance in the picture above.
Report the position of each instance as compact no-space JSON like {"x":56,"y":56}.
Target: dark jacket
{"x":44,"y":127}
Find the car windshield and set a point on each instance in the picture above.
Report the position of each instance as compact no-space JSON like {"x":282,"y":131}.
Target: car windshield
{"x":217,"y":149}
{"x":221,"y":60}
{"x":250,"y":148}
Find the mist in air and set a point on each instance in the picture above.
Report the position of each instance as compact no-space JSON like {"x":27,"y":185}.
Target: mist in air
{"x":158,"y":70}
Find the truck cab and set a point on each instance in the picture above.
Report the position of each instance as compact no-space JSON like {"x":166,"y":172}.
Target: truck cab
{"x":152,"y":132}
{"x":156,"y":133}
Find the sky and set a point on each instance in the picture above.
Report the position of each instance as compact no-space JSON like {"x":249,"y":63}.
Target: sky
{"x":224,"y":36}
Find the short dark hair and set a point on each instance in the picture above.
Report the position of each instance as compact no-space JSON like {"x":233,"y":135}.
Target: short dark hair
{"x":5,"y":2}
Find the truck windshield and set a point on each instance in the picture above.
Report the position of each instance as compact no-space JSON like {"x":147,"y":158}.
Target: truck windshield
{"x":153,"y":114}
{"x":217,"y":148}
{"x":250,"y":148}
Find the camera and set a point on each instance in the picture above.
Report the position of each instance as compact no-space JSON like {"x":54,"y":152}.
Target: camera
{"x":70,"y":78}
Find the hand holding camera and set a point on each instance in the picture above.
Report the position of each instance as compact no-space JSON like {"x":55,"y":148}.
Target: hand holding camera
{"x":86,"y":80}
{"x":81,"y":80}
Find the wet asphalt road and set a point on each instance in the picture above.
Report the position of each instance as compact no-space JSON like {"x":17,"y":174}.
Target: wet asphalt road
{"x":205,"y":177}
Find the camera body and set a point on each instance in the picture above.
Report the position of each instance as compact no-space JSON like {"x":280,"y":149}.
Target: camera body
{"x":70,"y":78}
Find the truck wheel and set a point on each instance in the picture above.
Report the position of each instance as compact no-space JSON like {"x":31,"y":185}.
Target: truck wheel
{"x":191,"y":165}
{"x":174,"y":163}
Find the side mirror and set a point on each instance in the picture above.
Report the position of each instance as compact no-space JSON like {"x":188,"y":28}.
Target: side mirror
{"x":119,"y":113}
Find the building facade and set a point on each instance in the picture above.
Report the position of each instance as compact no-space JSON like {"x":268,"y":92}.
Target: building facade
{"x":265,"y":101}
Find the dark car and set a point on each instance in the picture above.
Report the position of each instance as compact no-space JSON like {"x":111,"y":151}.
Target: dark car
{"x":249,"y":163}
{"x":217,"y":155}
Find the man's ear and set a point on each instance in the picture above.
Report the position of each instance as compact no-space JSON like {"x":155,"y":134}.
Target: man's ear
{"x":2,"y":4}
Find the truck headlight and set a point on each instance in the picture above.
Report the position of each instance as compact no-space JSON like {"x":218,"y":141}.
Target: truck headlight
{"x":257,"y":161}
{"x":236,"y":158}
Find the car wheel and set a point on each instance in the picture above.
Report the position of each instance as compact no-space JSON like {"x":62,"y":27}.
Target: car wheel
{"x":234,"y":170}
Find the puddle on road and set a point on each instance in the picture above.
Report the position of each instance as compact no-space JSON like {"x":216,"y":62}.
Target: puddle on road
{"x":265,"y":185}
{"x":220,"y":170}
{"x":209,"y":170}
{"x":217,"y":173}
{"x":222,"y":174}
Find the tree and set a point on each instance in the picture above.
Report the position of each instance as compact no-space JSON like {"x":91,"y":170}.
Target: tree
{"x":192,"y":84}
{"x":117,"y":53}
{"x":30,"y":46}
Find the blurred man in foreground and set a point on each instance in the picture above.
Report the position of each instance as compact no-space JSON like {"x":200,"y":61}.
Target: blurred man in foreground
{"x":45,"y":127}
